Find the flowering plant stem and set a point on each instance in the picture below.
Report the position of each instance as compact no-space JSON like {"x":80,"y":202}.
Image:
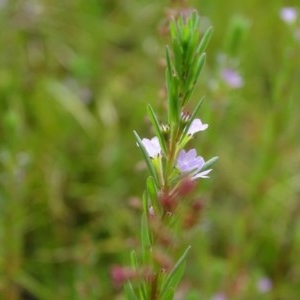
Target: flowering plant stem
{"x":158,"y":266}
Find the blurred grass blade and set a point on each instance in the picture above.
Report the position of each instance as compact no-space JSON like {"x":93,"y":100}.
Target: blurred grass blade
{"x":72,"y":104}
{"x":33,"y":287}
{"x":130,"y":294}
{"x":135,"y":266}
{"x":173,"y":30}
{"x":133,"y":260}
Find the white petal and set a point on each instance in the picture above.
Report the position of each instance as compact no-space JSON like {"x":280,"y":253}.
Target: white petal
{"x":202,"y":174}
{"x":196,"y":126}
{"x":152,"y":146}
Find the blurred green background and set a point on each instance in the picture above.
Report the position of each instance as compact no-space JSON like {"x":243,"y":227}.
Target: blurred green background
{"x":75,"y":78}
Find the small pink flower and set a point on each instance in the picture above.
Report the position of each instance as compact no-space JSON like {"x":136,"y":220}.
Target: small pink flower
{"x":196,"y":126}
{"x":121,"y":274}
{"x":152,"y":146}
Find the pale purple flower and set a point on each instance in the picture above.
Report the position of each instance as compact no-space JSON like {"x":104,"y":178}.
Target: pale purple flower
{"x":196,"y":126}
{"x":264,"y":285}
{"x":189,"y":162}
{"x":152,"y":146}
{"x":232,"y":78}
{"x":288,"y":14}
{"x":219,"y":296}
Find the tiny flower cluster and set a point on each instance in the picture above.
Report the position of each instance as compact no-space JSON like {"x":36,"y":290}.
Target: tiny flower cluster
{"x":187,"y":162}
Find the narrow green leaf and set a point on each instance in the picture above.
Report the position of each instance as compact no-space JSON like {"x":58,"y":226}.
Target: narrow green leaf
{"x":191,"y":21}
{"x":157,"y":128}
{"x":147,"y":158}
{"x":145,"y":232}
{"x":130,"y":294}
{"x":180,"y":28}
{"x":173,"y":30}
{"x":205,"y":40}
{"x":135,"y":266}
{"x":168,"y":59}
{"x":153,"y":195}
{"x":33,"y":286}
{"x":169,"y":87}
{"x":209,"y":163}
{"x":200,"y":64}
{"x":195,"y":111}
{"x":190,"y":56}
{"x":175,"y":99}
{"x":186,"y":36}
{"x":195,"y":19}
{"x":145,"y":240}
{"x":177,"y":47}
{"x":177,"y":57}
{"x":174,"y":277}
{"x":172,"y":88}
{"x":169,"y":295}
{"x":133,"y":260}
{"x":187,"y":95}
{"x":145,"y":202}
{"x":191,"y":81}
{"x":142,"y":292}
{"x":173,"y":103}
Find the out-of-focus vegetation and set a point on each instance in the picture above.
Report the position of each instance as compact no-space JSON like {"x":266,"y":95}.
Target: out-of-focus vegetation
{"x":75,"y":78}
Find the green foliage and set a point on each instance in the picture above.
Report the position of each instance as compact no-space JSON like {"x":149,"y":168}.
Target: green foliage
{"x":160,"y":208}
{"x":173,"y":278}
{"x":75,"y":77}
{"x":157,"y":128}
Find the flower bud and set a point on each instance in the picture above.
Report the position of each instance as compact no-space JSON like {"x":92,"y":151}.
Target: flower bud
{"x":121,"y":274}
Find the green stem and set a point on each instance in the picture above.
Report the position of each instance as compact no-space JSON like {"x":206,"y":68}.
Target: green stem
{"x":172,"y":152}
{"x":154,"y":289}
